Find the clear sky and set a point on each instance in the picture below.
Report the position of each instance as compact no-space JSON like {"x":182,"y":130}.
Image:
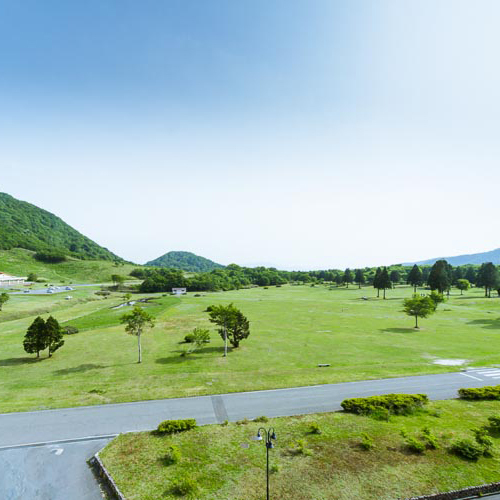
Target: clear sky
{"x":295,"y":133}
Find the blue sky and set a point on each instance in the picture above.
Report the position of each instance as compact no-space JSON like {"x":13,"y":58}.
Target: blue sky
{"x":300,"y":134}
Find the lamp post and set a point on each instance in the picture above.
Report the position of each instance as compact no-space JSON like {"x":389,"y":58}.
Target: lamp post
{"x":269,"y":436}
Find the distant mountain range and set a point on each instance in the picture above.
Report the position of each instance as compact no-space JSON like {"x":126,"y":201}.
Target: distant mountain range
{"x":186,"y":261}
{"x":23,"y":225}
{"x":460,"y":260}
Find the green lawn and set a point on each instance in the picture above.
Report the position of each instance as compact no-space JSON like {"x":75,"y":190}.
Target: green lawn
{"x":335,"y":467}
{"x":293,"y":328}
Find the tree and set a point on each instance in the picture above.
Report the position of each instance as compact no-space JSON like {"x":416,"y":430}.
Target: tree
{"x":233,"y":325}
{"x":338,"y":279}
{"x":470,"y":275}
{"x":415,"y":278}
{"x":376,"y":281}
{"x":395,"y":276}
{"x":487,"y":276}
{"x":439,"y":277}
{"x":419,"y":307}
{"x":384,"y":280}
{"x":127,"y":297}
{"x":463,"y":284}
{"x":347,"y":278}
{"x":32,"y":277}
{"x":4,"y":297}
{"x":458,"y":274}
{"x":197,"y":338}
{"x":436,"y":298}
{"x":136,"y":322}
{"x":359,"y":277}
{"x":117,"y":279}
{"x":35,"y":339}
{"x":53,"y":335}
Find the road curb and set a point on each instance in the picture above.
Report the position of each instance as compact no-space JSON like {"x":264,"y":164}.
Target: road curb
{"x":105,"y":476}
{"x":463,"y":494}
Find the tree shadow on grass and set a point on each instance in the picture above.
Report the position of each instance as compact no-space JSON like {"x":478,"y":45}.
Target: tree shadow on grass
{"x":79,"y":369}
{"x":491,"y":324}
{"x":398,"y":330}
{"x":177,"y":358}
{"x":18,"y":361}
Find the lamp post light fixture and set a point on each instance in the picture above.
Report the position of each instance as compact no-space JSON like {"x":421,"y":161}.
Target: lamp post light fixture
{"x":269,"y":435}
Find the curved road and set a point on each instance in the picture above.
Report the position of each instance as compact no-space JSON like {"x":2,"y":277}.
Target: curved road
{"x":43,"y":454}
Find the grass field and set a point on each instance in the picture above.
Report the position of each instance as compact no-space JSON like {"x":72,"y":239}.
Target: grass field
{"x":20,"y":262}
{"x":293,"y":328}
{"x":336,"y":467}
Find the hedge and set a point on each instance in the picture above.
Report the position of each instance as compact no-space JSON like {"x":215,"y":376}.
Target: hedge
{"x":173,"y":426}
{"x":487,"y":392}
{"x":395,"y":403}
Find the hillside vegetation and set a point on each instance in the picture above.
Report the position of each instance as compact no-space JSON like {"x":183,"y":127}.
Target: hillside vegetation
{"x":20,"y":262}
{"x":26,"y":226}
{"x":186,"y":261}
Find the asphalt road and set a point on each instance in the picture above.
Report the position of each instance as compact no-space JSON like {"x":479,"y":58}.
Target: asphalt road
{"x":31,"y":469}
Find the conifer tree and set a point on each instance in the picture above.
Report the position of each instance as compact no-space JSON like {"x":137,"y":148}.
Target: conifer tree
{"x":439,"y":277}
{"x":347,"y":278}
{"x":376,"y":281}
{"x":415,"y":278}
{"x":384,"y":280}
{"x":359,"y":277}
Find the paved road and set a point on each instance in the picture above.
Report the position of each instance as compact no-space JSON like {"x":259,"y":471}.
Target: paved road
{"x":80,"y":427}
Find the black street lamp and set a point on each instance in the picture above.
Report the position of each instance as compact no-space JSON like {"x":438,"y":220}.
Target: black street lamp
{"x":269,"y":435}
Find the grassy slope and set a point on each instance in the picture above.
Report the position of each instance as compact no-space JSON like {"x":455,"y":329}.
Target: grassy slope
{"x":20,"y":262}
{"x":337,"y":469}
{"x":293,"y":328}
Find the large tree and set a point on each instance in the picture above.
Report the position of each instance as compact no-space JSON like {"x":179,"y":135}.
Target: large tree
{"x":419,"y":307}
{"x":347,"y":278}
{"x":233,"y":325}
{"x":415,"y":278}
{"x":395,"y":276}
{"x":384,"y":280}
{"x":439,"y":277}
{"x":35,"y":339}
{"x":4,"y":297}
{"x":359,"y":277}
{"x":376,"y":280}
{"x":53,"y":335}
{"x":487,"y":276}
{"x":136,"y":322}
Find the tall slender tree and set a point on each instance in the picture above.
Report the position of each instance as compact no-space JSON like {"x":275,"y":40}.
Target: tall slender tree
{"x":376,"y":281}
{"x":415,"y":278}
{"x":384,"y":280}
{"x":136,"y":322}
{"x":439,"y":277}
{"x":359,"y":277}
{"x":347,"y":278}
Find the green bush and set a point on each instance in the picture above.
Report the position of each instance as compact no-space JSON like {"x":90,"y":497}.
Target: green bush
{"x":300,"y":448}
{"x":189,"y":338}
{"x":380,"y":413}
{"x":479,"y":393}
{"x":173,"y":426}
{"x":69,"y":330}
{"x":398,"y":404}
{"x":429,"y":439}
{"x":314,"y":428}
{"x":262,"y":418}
{"x":466,"y":448}
{"x":415,"y":445}
{"x":173,"y":455}
{"x":494,"y":423}
{"x":482,"y":439}
{"x":184,"y":487}
{"x":366,"y":442}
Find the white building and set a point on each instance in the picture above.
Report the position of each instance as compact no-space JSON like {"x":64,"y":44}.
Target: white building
{"x":8,"y":280}
{"x":179,"y":291}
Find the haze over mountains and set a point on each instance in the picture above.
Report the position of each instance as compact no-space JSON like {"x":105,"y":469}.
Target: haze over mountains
{"x":460,"y":260}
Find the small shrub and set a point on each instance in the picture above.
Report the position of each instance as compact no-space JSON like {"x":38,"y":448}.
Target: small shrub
{"x":174,"y":426}
{"x":97,"y":391}
{"x":197,"y":295}
{"x":300,"y":448}
{"x":262,"y":418}
{"x":398,"y":404}
{"x":245,"y":421}
{"x":466,"y":448}
{"x":482,"y":439}
{"x":274,"y":469}
{"x":494,"y":423}
{"x":103,"y":293}
{"x":184,"y":487}
{"x":173,"y":455}
{"x":489,"y":392}
{"x":314,"y":428}
{"x":69,"y":330}
{"x":189,"y":338}
{"x":366,"y":442}
{"x":226,"y":422}
{"x":429,"y":439}
{"x":415,"y":445}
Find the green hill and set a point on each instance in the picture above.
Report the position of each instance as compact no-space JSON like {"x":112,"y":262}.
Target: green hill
{"x":23,"y":225}
{"x":186,"y":261}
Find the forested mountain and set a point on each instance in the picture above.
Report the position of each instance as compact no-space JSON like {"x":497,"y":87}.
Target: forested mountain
{"x":186,"y":261}
{"x":24,"y":225}
{"x":460,"y":260}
